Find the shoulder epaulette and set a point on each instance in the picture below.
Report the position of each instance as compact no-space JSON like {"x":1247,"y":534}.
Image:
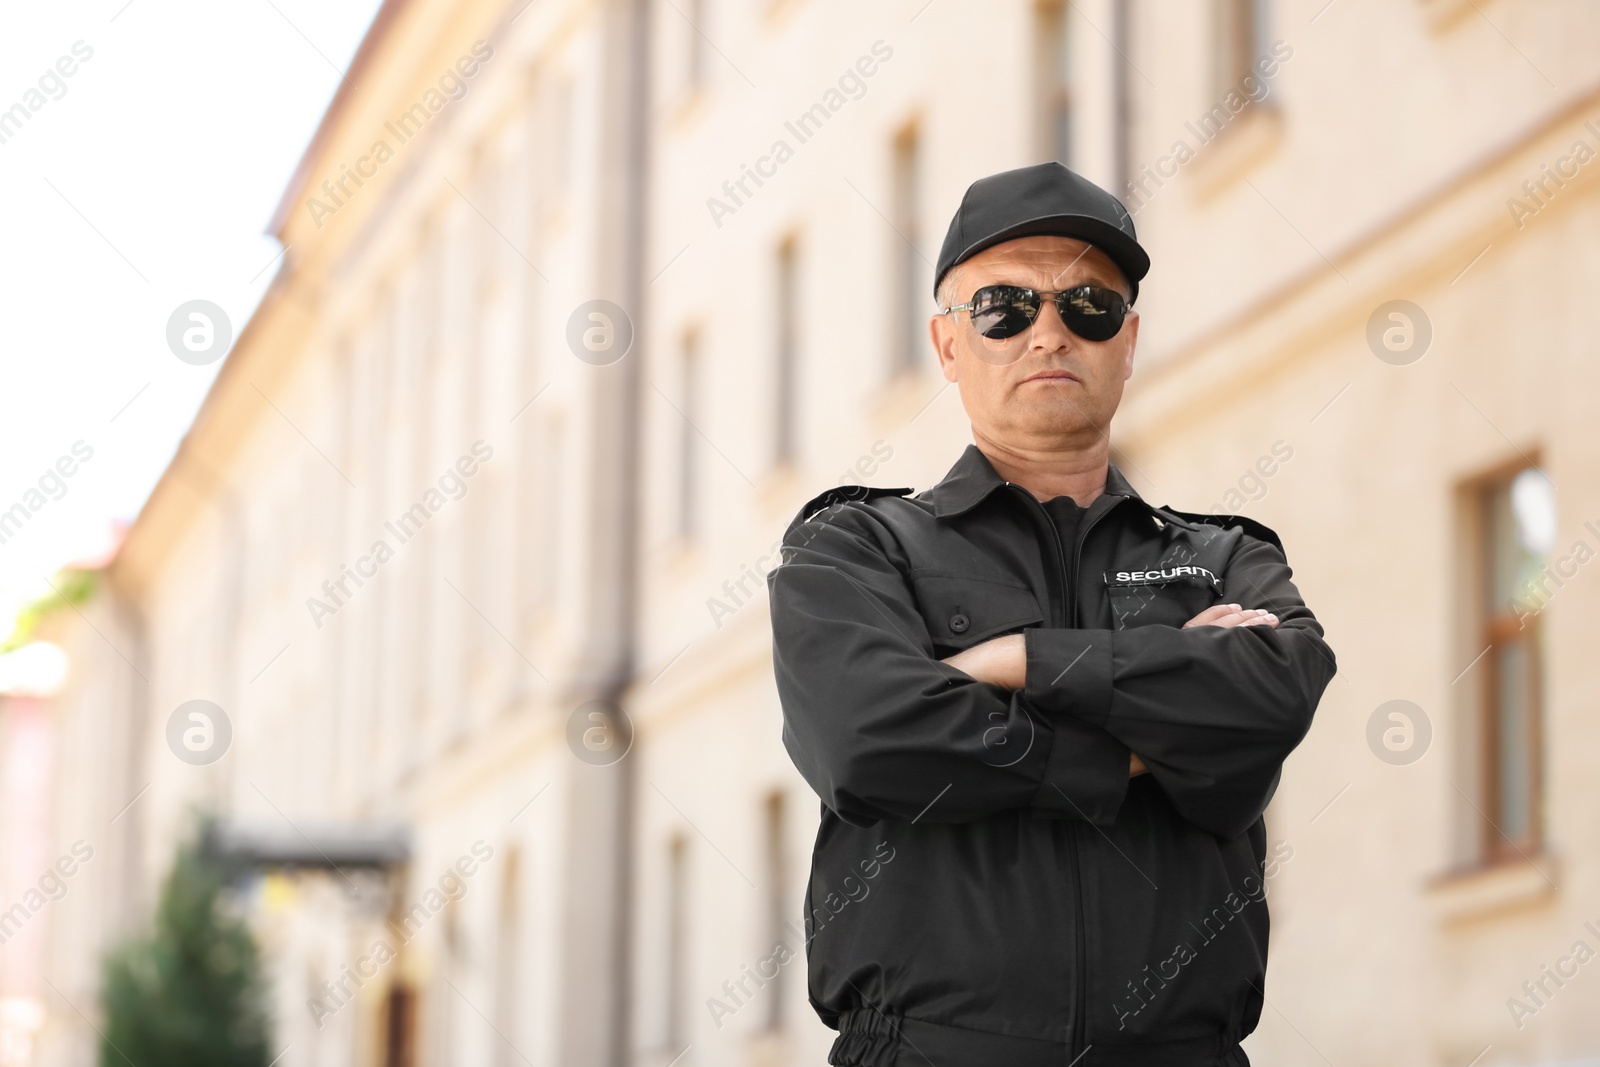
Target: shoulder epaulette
{"x":1250,"y":526}
{"x":843,"y":494}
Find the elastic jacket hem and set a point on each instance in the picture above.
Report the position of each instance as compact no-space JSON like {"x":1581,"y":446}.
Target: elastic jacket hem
{"x":867,"y":1038}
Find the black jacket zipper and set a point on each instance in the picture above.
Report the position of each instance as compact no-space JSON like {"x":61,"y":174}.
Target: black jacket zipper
{"x":1068,"y":585}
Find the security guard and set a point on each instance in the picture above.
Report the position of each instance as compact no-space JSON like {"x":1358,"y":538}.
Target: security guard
{"x":1043,"y":715}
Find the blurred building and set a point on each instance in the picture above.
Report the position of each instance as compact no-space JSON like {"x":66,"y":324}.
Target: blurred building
{"x":581,"y":299}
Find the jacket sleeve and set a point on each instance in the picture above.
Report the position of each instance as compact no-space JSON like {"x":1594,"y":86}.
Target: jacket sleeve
{"x":1212,"y":712}
{"x":884,"y":731}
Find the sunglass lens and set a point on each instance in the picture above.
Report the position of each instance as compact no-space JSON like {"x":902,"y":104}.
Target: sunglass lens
{"x":1002,"y":311}
{"x":1094,"y":313}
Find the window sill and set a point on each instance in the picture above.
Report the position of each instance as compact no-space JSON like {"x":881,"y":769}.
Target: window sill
{"x":1474,"y":894}
{"x":1252,"y":136}
{"x":778,"y":12}
{"x":681,"y":555}
{"x":557,"y":217}
{"x":1444,"y":14}
{"x":693,"y":101}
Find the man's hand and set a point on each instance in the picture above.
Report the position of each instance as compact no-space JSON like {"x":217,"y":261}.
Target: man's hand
{"x":1003,"y":661}
{"x":1226,"y":615}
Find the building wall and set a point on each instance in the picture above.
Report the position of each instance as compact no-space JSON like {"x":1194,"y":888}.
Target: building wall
{"x":432,"y":311}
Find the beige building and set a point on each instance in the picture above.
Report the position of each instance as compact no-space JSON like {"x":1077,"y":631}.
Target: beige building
{"x":440,"y":501}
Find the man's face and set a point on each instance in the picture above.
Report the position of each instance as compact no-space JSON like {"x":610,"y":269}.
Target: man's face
{"x":1062,"y":390}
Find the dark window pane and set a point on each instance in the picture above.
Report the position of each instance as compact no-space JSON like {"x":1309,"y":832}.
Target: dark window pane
{"x":1515,"y":751}
{"x":1053,"y":70}
{"x":785,"y":379}
{"x":910,"y":295}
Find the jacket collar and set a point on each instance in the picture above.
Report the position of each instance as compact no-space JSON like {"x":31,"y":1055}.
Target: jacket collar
{"x":973,"y":478}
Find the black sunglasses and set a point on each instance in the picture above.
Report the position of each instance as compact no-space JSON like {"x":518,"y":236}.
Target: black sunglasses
{"x":1093,"y":312}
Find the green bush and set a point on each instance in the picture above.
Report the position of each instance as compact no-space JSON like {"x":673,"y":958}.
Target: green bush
{"x":190,"y":991}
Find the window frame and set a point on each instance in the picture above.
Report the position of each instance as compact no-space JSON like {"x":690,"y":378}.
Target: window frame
{"x":907,"y":177}
{"x":1053,"y":76}
{"x":1495,"y":629}
{"x":787,"y":281}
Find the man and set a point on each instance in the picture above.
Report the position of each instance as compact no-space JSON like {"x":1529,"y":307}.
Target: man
{"x":1044,"y":716}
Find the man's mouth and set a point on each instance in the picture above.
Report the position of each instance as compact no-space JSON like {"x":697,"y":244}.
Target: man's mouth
{"x":1053,"y":375}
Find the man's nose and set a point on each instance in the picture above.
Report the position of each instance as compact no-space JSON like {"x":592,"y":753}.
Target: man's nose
{"x":1049,"y":332}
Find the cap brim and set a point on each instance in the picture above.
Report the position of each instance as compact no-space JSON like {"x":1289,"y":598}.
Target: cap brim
{"x":1124,"y":251}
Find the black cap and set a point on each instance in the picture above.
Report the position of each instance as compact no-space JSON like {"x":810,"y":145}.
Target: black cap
{"x":1049,"y":200}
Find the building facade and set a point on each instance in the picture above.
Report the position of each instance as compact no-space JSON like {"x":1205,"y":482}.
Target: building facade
{"x":583,"y":298}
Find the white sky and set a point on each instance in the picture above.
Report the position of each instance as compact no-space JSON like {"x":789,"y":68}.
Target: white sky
{"x":174,"y":142}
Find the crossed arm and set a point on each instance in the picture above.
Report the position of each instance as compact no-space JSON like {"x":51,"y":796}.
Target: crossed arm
{"x":1003,"y":661}
{"x":1048,"y":720}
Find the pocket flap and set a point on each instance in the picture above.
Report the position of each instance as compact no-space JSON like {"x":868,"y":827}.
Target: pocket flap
{"x":961,"y":611}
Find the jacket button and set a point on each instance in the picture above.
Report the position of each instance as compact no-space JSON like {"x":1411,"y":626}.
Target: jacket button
{"x":959,"y":623}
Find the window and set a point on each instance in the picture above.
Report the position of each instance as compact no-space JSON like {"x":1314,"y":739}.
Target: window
{"x":448,"y":1014}
{"x":1053,"y":70}
{"x":694,"y":60}
{"x":777,"y":872}
{"x":784,"y":428}
{"x":554,"y":124}
{"x":1121,"y":96}
{"x":1239,"y":36}
{"x":508,"y":949}
{"x":547,"y":569}
{"x":400,"y":1027}
{"x":420,"y":582}
{"x":910,"y":291}
{"x":1517,"y":518}
{"x":677,"y":969}
{"x":688,"y":437}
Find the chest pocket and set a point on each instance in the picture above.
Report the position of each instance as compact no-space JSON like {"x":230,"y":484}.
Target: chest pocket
{"x":961,"y":612}
{"x":1161,"y":597}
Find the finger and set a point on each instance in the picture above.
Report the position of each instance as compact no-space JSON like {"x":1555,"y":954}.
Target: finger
{"x":1209,"y":616}
{"x":1247,"y":617}
{"x":1257,"y":617}
{"x":1221,"y":615}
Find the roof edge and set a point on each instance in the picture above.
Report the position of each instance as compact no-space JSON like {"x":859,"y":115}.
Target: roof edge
{"x":382,"y":22}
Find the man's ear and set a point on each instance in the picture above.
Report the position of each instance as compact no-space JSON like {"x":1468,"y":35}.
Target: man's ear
{"x":941,"y":328}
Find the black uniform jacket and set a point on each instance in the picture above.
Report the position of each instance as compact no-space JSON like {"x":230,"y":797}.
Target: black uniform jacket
{"x":988,"y":886}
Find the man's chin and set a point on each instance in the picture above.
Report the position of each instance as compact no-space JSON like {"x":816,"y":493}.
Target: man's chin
{"x":1052,"y":401}
{"x":1051,"y":429}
